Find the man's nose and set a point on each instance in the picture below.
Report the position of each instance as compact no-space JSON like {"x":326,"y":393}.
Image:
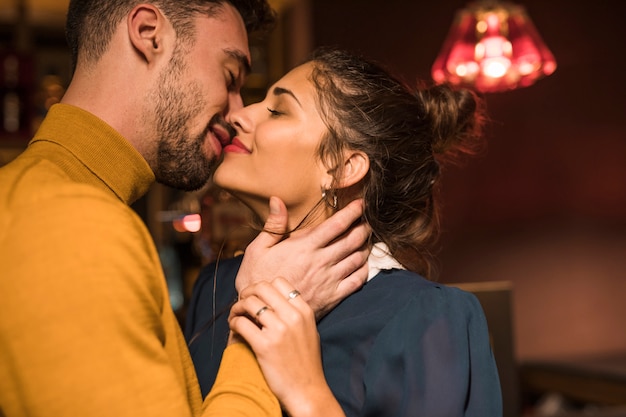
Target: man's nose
{"x":235,"y":103}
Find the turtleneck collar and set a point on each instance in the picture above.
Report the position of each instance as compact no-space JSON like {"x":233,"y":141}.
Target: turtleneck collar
{"x":116,"y":164}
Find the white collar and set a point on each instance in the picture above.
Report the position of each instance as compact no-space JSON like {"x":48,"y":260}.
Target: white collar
{"x":381,"y":259}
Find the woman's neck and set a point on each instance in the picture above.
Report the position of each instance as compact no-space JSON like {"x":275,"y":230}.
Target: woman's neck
{"x":299,"y":217}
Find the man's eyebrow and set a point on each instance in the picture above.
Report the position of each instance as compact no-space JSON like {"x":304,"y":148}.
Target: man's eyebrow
{"x":241,"y":58}
{"x":280,"y":90}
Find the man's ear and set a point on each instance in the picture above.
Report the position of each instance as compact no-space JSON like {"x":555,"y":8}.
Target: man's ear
{"x":355,"y":167}
{"x":146,"y":31}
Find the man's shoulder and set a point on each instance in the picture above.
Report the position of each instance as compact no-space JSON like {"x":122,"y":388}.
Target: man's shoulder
{"x":38,"y":183}
{"x":36,"y":198}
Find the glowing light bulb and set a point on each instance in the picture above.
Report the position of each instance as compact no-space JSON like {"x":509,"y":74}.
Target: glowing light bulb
{"x":493,"y":53}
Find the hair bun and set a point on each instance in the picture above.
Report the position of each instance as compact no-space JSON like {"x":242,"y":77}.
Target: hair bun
{"x":455,"y":117}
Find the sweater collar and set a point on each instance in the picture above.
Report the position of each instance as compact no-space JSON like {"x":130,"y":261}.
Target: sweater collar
{"x":100,"y":148}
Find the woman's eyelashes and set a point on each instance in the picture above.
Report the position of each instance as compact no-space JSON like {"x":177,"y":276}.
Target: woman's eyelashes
{"x":274,"y":112}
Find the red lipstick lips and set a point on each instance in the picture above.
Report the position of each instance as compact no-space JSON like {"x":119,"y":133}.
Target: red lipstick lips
{"x":236,"y":146}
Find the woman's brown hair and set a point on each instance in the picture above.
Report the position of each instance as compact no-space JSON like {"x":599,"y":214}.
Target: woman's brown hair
{"x":407,"y":134}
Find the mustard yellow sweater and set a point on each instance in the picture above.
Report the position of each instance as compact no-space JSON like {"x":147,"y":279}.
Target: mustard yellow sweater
{"x":86,"y":328}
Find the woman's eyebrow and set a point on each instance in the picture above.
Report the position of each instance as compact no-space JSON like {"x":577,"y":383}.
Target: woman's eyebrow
{"x":280,"y":90}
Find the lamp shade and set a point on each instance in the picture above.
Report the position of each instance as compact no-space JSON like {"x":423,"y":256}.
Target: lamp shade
{"x":493,"y":47}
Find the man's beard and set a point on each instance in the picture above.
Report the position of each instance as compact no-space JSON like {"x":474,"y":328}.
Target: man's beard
{"x":180,"y":159}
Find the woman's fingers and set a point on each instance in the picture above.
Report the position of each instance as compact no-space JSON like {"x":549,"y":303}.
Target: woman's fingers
{"x":280,"y":327}
{"x":273,"y":293}
{"x":276,"y":307}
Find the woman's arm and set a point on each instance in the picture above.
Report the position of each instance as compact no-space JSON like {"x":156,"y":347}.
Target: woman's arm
{"x":286,"y":343}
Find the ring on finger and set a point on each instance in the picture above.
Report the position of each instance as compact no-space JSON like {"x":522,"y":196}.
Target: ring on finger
{"x":261,"y":311}
{"x":293,"y":294}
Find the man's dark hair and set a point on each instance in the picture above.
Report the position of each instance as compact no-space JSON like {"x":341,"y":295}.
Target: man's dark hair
{"x":90,"y":24}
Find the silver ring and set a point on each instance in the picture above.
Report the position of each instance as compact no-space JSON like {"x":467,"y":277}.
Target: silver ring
{"x":293,"y":294}
{"x":261,"y":311}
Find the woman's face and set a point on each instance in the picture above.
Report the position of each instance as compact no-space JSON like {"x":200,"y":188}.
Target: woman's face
{"x":275,"y":151}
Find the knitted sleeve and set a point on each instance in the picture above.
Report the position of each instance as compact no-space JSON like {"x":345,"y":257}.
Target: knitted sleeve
{"x":240,"y":389}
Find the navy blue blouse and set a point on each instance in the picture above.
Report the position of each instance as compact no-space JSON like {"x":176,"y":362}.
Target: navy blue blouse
{"x":400,"y":346}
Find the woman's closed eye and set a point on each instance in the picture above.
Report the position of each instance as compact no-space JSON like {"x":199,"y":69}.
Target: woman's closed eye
{"x":274,"y":112}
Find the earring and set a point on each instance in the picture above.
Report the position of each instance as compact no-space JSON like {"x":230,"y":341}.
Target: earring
{"x":332,"y":195}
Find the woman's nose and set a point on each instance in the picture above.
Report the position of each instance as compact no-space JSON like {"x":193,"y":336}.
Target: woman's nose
{"x":244,"y":119}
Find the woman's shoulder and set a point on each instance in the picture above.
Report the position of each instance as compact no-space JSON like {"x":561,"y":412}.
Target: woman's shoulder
{"x":424,"y":297}
{"x":224,"y":268}
{"x":218,"y":277}
{"x":215,"y":282}
{"x":402,"y":295}
{"x":412,"y":284}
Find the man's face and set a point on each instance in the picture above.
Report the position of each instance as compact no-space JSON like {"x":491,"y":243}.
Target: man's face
{"x":200,"y":86}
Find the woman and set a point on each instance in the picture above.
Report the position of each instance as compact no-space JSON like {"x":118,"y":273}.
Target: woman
{"x":332,"y":130}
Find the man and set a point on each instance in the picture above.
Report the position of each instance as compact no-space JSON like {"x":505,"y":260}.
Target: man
{"x":86,"y":326}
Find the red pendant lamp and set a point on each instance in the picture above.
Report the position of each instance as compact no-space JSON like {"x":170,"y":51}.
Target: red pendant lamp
{"x":493,"y":47}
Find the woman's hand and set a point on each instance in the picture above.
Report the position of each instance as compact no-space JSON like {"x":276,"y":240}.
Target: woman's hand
{"x":281,"y":329}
